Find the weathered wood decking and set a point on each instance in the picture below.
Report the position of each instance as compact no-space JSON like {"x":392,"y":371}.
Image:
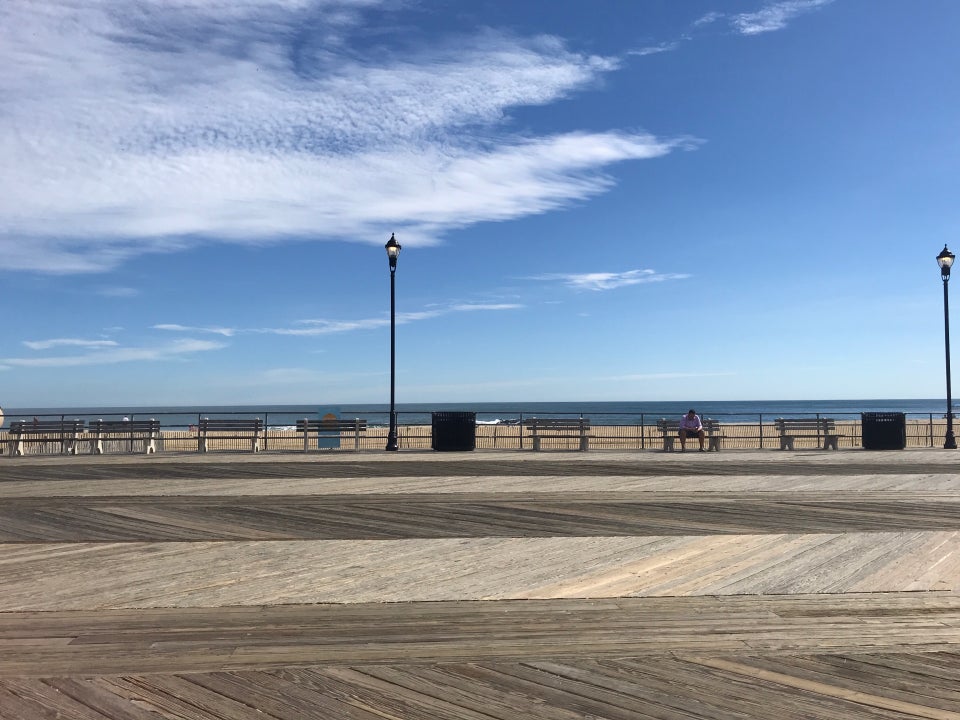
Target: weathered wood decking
{"x":491,"y":586}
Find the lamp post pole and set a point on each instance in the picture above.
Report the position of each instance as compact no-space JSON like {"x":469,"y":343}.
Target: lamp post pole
{"x":393,"y":251}
{"x":945,"y":260}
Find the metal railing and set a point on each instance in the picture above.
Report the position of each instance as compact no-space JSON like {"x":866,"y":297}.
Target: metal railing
{"x":608,"y":431}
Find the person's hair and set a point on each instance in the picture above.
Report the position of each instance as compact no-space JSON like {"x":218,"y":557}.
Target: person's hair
{"x":691,"y":410}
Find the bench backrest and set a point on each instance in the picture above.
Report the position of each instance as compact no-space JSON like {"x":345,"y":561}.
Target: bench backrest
{"x":818,"y":425}
{"x":667,"y":426}
{"x":25,"y":427}
{"x":124,"y":426}
{"x":535,"y":423}
{"x":231,"y":425}
{"x":354,"y":424}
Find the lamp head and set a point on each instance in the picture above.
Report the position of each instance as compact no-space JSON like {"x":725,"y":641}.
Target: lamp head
{"x":945,"y":261}
{"x":393,"y":251}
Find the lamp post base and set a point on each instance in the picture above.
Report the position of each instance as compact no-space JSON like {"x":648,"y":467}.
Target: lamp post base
{"x":392,"y":435}
{"x":950,"y":442}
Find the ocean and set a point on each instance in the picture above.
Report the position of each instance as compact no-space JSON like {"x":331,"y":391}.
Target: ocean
{"x":599,"y":413}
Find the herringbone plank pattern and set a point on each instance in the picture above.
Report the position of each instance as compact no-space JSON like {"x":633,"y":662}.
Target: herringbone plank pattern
{"x":822,"y":586}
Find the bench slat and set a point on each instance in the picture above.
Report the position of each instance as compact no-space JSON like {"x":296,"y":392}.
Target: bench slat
{"x":331,"y":426}
{"x":803,"y":424}
{"x":669,"y":425}
{"x":228,"y":425}
{"x":125,"y":426}
{"x":555,"y":422}
{"x":46,"y":426}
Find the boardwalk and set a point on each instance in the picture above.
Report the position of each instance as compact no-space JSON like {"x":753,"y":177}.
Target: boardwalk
{"x":751,"y":584}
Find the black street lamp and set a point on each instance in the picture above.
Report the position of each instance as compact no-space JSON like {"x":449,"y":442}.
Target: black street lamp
{"x":945,"y":261}
{"x":393,"y":251}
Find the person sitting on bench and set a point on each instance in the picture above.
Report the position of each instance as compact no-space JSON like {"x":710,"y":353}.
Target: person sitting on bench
{"x":690,"y":425}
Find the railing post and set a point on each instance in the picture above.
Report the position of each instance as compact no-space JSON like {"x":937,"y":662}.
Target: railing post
{"x":761,"y":430}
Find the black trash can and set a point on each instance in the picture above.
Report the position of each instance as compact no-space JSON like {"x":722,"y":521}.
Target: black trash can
{"x":884,"y":430}
{"x":454,"y":431}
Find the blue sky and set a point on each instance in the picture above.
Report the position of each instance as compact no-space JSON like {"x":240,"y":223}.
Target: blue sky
{"x":603,"y":200}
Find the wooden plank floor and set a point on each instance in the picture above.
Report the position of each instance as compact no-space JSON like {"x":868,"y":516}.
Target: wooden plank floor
{"x":739,"y":585}
{"x":468,"y":515}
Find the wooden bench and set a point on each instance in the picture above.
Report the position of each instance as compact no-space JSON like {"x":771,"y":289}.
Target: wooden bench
{"x":65,"y":432}
{"x":315,"y":427}
{"x":823,"y":429}
{"x":145,"y":431}
{"x":670,"y":431}
{"x":250,"y":429}
{"x":559,"y":428}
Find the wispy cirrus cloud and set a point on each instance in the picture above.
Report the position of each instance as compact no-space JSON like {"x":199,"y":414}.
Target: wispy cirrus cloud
{"x":609,"y":281}
{"x":707,"y":19}
{"x":114,"y":355}
{"x":774,"y":16}
{"x":68,"y":342}
{"x":225,"y":331}
{"x":156,"y":122}
{"x":771,"y":17}
{"x":329,"y":327}
{"x":655,"y":49}
{"x":313,"y":327}
{"x":480,"y":307}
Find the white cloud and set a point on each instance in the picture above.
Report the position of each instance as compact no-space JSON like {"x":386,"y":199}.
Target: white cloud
{"x":313,"y":327}
{"x":64,"y":342}
{"x":774,"y":16}
{"x":472,"y":307}
{"x":131,"y":125}
{"x":328,"y":327}
{"x":114,"y":355}
{"x":654,"y":49}
{"x":610,"y":281}
{"x":226,"y":332}
{"x":709,"y":18}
